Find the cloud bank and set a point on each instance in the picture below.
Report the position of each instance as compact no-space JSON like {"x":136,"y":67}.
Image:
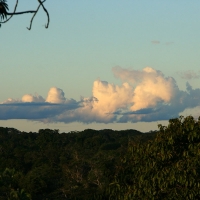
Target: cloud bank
{"x":144,"y":95}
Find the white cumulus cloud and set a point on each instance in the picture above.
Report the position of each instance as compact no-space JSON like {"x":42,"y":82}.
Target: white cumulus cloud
{"x":55,"y":95}
{"x":150,"y":86}
{"x":143,"y":95}
{"x":32,"y":98}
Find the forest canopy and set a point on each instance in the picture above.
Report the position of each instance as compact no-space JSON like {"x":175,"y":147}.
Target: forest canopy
{"x":104,"y":164}
{"x":4,"y":8}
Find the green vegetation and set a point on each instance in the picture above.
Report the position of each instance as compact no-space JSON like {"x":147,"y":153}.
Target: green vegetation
{"x":103,"y":164}
{"x":167,"y":167}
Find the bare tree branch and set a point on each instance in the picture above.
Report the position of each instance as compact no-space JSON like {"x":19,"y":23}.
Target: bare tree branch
{"x":34,"y":16}
{"x":4,"y":13}
{"x":48,"y":18}
{"x":20,"y":13}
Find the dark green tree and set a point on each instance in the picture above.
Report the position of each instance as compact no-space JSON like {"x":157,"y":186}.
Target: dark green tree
{"x":10,"y":185}
{"x":167,"y":167}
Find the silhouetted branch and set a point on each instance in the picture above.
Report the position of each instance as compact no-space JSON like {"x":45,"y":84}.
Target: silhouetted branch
{"x":5,"y":13}
{"x":34,"y":16}
{"x":20,"y":13}
{"x":48,"y":18}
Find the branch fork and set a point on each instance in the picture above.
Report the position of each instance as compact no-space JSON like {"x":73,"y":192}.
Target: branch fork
{"x":28,"y":11}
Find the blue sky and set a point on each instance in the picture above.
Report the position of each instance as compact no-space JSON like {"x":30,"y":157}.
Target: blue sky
{"x":107,"y":43}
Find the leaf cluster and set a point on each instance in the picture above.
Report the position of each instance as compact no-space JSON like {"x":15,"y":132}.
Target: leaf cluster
{"x":3,"y":9}
{"x":167,"y":167}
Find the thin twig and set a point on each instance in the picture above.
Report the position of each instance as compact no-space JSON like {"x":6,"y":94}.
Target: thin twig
{"x":48,"y":18}
{"x":34,"y":16}
{"x":19,"y":13}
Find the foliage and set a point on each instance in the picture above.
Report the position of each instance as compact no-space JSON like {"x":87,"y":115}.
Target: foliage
{"x":3,"y":9}
{"x":10,"y":186}
{"x":49,"y":165}
{"x":167,"y":167}
{"x":103,"y":164}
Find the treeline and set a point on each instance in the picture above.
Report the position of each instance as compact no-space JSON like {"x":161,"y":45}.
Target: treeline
{"x":105,"y":164}
{"x":53,"y":165}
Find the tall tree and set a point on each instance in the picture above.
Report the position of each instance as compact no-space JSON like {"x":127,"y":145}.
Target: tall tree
{"x":164,"y":168}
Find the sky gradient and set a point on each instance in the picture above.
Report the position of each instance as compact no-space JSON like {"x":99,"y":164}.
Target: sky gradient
{"x":100,"y":64}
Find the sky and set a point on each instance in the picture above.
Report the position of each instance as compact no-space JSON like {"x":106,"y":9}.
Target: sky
{"x":101,"y":65}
